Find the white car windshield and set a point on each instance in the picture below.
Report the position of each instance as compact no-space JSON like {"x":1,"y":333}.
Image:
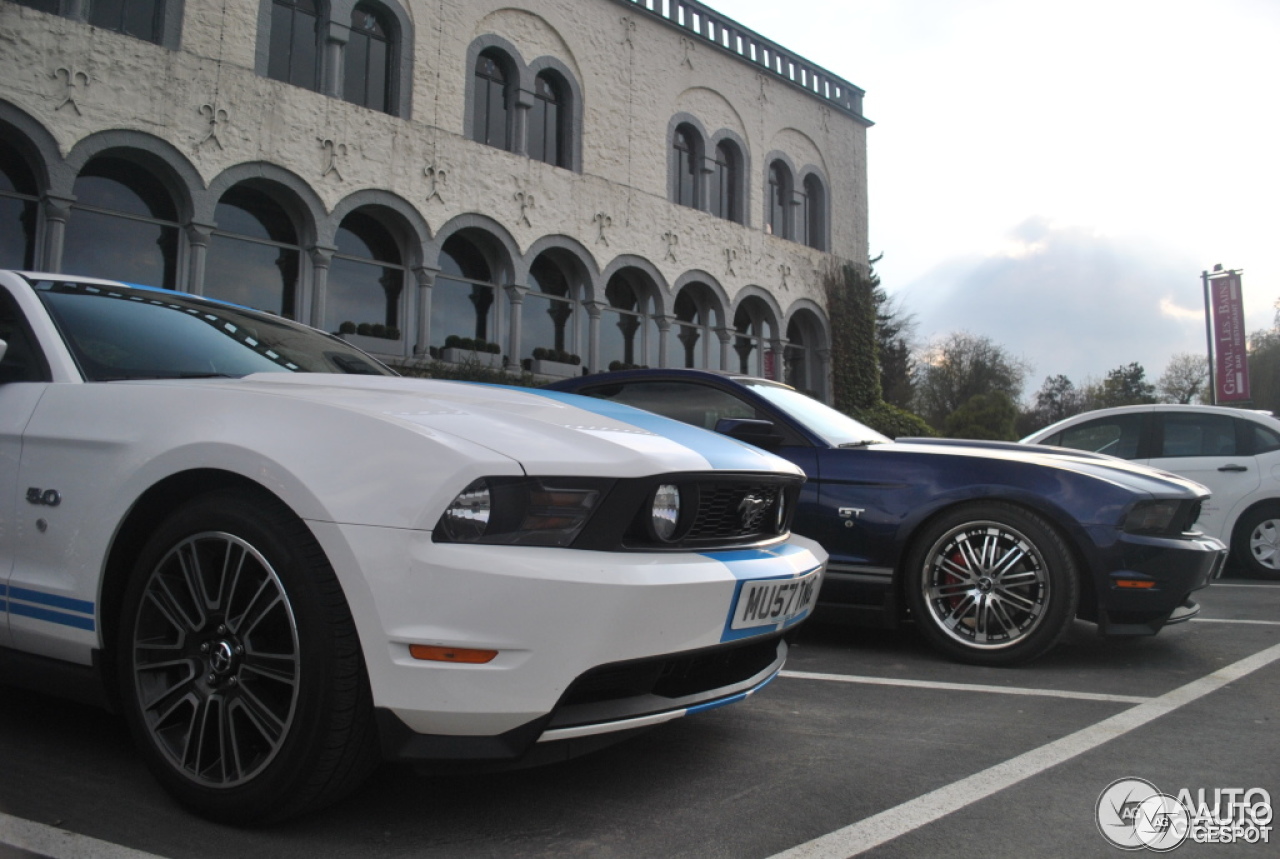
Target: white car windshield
{"x":836,"y":428}
{"x":116,"y":333}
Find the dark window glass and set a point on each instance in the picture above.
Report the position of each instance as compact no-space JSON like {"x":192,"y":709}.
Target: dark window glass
{"x":1264,"y":440}
{"x":140,"y":18}
{"x":1117,"y":435}
{"x":18,"y":208}
{"x":692,"y":342}
{"x":463,"y":295}
{"x":490,"y":108}
{"x":367,"y":61}
{"x":366,"y":279}
{"x":700,"y":405}
{"x":122,"y":226}
{"x":813,"y":213}
{"x":122,"y":333}
{"x":546,"y":121}
{"x":547,"y":309}
{"x":294,"y":43}
{"x":622,"y":326}
{"x":53,"y":7}
{"x":22,"y":360}
{"x":724,"y":183}
{"x":685,"y":190}
{"x":254,"y":258}
{"x":779,"y":200}
{"x":1198,"y":435}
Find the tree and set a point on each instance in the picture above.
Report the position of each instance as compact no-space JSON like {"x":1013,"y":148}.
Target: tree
{"x":1185,"y":380}
{"x":895,"y":331}
{"x":1264,"y":366}
{"x":984,"y":416}
{"x":1126,"y":386}
{"x":1057,"y":398}
{"x":959,"y":367}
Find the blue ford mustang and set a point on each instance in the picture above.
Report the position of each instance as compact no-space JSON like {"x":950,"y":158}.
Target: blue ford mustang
{"x":991,"y":548}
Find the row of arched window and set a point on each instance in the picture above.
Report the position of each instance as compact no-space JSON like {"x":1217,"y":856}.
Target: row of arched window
{"x":357,"y":50}
{"x":372,"y":274}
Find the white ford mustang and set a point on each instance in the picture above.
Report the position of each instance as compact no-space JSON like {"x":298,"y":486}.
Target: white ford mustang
{"x":284,"y":563}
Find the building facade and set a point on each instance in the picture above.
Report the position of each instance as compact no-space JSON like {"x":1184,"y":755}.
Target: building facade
{"x":584,"y":184}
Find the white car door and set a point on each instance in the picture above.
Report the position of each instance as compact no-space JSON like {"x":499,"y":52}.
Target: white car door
{"x":1205,"y":448}
{"x":21,"y":386}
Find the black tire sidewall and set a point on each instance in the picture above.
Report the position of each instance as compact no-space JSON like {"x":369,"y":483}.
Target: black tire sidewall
{"x":1061,"y":570}
{"x":267,"y":528}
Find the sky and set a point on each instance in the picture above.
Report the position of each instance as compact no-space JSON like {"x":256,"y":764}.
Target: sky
{"x":1057,"y":175}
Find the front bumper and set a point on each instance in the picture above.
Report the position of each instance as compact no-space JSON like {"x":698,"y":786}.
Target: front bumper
{"x":1151,"y":585}
{"x":589,"y":643}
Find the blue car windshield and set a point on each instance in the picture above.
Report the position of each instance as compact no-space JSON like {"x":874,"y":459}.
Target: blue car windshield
{"x":116,"y":333}
{"x":836,"y":428}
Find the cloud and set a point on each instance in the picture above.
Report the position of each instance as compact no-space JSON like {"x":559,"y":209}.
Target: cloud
{"x":1067,"y":300}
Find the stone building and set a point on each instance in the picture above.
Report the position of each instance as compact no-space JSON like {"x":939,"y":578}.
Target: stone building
{"x":608,"y":182}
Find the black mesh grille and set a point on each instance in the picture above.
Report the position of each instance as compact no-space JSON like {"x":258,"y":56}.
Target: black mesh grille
{"x":731,"y":511}
{"x":673,"y":676}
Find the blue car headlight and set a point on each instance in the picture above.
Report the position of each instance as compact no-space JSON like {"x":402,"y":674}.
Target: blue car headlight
{"x":521,"y":511}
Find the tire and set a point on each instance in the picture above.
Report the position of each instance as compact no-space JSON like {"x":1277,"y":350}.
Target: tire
{"x":240,"y":672}
{"x":991,"y":584}
{"x":1256,"y":543}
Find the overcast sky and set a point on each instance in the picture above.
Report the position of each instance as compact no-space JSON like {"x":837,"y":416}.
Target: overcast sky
{"x":1056,"y":175}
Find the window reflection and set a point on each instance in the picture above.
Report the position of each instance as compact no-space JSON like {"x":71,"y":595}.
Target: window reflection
{"x":18,"y":198}
{"x":254,"y":256}
{"x":548,"y":311}
{"x":122,"y":226}
{"x":463,"y":296}
{"x":366,"y":280}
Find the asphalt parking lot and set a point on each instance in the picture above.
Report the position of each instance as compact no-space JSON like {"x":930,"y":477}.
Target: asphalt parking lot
{"x":869,"y":744}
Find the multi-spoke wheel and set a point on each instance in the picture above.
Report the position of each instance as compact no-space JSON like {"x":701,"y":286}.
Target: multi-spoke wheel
{"x":992,"y":584}
{"x":1257,"y":541}
{"x":241,"y":675}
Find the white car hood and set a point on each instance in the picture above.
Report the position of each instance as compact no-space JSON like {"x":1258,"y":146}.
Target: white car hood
{"x":546,"y":431}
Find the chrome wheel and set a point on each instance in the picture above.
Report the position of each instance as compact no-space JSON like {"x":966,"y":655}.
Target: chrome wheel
{"x":216,"y":660}
{"x":1264,"y":544}
{"x":991,"y":583}
{"x":986,"y":585}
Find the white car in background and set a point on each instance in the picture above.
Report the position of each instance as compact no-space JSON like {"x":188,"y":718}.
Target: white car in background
{"x":284,"y":563}
{"x":1234,"y":452}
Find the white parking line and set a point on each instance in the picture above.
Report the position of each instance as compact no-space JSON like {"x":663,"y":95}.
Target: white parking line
{"x":966,"y":687}
{"x":1225,"y":620}
{"x":54,"y":843}
{"x":915,"y":813}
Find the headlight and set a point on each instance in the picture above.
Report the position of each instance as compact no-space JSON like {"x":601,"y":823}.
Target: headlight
{"x":1153,"y":517}
{"x":533,"y":511}
{"x":665,"y":511}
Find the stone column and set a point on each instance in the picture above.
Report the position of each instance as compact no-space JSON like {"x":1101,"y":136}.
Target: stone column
{"x":664,"y":333}
{"x":198,"y":238}
{"x":56,"y":212}
{"x":515,"y":297}
{"x":594,"y":309}
{"x":321,"y":259}
{"x":726,"y":349}
{"x":426,"y":279}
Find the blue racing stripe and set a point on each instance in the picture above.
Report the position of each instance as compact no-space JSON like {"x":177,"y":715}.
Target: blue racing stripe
{"x":720,"y":451}
{"x":51,"y":608}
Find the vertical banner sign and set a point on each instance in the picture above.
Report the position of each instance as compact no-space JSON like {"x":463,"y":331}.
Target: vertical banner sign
{"x":1231,"y":358}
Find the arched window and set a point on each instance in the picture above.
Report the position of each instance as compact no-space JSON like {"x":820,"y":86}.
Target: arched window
{"x":724,"y":182}
{"x":804,"y":366}
{"x":366,"y":280}
{"x":547,"y":118}
{"x":813,"y":214}
{"x":123,"y":225}
{"x":139,"y":18}
{"x":750,"y":342}
{"x":295,"y":40}
{"x":549,"y":309}
{"x":366,"y":62}
{"x":254,"y":257}
{"x":491,"y":120}
{"x":692,"y":341}
{"x":463,"y":295}
{"x":18,"y":208}
{"x":779,"y":221}
{"x":686,"y":151}
{"x":626,"y":324}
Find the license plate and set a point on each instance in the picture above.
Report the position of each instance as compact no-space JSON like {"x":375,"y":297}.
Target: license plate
{"x":771,"y":602}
